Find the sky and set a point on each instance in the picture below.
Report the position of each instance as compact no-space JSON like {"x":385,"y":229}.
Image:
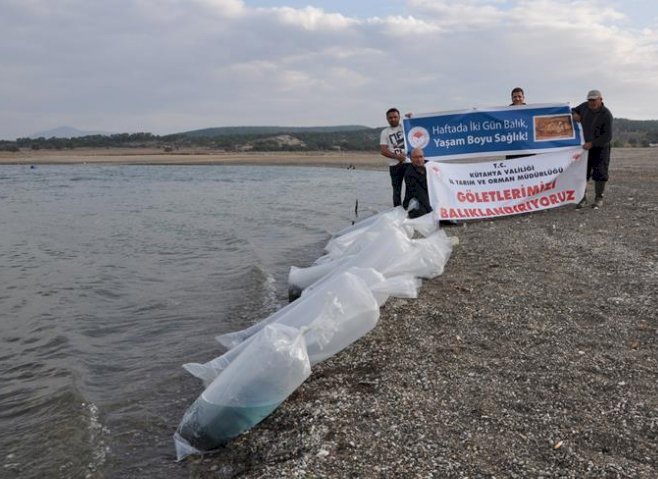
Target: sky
{"x":166,"y":66}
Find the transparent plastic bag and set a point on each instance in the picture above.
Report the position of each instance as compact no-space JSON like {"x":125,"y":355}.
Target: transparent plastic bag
{"x":338,"y":314}
{"x":424,"y":225}
{"x":385,"y":240}
{"x":435,"y":250}
{"x":388,"y":243}
{"x":355,"y":240}
{"x":352,"y":240}
{"x":273,"y":365}
{"x":309,"y":308}
{"x":395,"y":213}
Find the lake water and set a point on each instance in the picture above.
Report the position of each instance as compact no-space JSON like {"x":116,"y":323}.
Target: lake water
{"x":112,"y":277}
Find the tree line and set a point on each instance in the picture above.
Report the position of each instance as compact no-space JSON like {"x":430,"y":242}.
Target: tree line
{"x":627,"y":133}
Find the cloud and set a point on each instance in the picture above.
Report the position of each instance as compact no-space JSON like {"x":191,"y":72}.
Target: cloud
{"x":174,"y":65}
{"x":313,"y":19}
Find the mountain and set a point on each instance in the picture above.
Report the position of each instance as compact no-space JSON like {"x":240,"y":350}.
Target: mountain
{"x":66,"y":132}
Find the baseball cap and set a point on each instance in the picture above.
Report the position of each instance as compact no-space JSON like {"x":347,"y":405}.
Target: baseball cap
{"x":593,"y":94}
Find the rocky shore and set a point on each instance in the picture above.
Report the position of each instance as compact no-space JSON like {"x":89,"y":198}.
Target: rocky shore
{"x":535,"y":354}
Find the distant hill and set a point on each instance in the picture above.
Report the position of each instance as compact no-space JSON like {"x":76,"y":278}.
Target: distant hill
{"x":633,"y":133}
{"x":268,"y":130}
{"x":66,"y":132}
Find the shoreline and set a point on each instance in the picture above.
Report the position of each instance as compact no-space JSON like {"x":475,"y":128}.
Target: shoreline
{"x":629,"y":157}
{"x":535,"y":354}
{"x":142,"y":156}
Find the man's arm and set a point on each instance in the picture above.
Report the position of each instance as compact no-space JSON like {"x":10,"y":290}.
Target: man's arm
{"x":409,"y":188}
{"x":384,"y":151}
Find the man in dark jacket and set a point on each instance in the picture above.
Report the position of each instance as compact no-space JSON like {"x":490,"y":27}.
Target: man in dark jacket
{"x":596,"y":120}
{"x":416,"y":198}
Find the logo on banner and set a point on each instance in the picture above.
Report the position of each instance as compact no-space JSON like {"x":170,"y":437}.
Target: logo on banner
{"x":419,"y":137}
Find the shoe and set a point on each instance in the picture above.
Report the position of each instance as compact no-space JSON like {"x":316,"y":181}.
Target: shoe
{"x":448,"y":223}
{"x":582,"y":203}
{"x":598,"y":203}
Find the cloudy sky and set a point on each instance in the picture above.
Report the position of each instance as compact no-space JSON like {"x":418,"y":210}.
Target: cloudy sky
{"x":165,"y":66}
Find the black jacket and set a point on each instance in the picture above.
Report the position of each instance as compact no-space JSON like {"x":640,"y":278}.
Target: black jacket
{"x":415,"y":181}
{"x":597,"y":125}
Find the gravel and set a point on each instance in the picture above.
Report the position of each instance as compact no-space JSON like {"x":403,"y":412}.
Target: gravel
{"x":534,"y":355}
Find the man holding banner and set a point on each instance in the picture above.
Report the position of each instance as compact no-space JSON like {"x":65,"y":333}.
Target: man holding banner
{"x":518,"y":96}
{"x":391,"y":145}
{"x":596,"y":120}
{"x":488,"y":189}
{"x":518,"y":99}
{"x":416,"y":198}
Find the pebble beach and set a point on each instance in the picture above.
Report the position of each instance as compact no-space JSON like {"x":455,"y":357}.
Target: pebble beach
{"x":535,"y":354}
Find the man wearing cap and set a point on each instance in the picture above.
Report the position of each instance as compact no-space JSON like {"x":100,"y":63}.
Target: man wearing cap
{"x":596,"y":121}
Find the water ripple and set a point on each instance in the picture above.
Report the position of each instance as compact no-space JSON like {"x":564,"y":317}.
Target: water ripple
{"x":112,"y":277}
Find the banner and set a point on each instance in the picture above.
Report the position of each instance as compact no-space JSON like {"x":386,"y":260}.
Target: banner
{"x":501,"y":188}
{"x":486,"y":132}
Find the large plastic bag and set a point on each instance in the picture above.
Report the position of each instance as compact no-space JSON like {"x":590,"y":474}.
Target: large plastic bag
{"x":426,"y":259}
{"x":396,"y":213}
{"x":309,"y":308}
{"x":388,"y":243}
{"x":273,"y":365}
{"x":336,"y":315}
{"x":392,"y":253}
{"x":424,"y":225}
{"x":356,"y":239}
{"x":383,"y":240}
{"x":351,"y":240}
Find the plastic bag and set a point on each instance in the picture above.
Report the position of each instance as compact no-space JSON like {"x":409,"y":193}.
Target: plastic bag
{"x":336,"y":317}
{"x":424,"y":225}
{"x":273,"y":365}
{"x":309,"y":308}
{"x":362,"y":233}
{"x":387,"y":243}
{"x":395,"y":213}
{"x":435,"y":250}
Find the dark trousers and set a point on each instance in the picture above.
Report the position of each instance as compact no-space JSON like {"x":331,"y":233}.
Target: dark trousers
{"x":397,"y":179}
{"x":598,"y":161}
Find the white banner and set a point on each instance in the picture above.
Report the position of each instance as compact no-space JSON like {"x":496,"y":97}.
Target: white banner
{"x":507,"y":187}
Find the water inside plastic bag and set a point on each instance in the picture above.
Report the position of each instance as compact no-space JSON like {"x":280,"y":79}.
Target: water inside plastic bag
{"x":206,"y":425}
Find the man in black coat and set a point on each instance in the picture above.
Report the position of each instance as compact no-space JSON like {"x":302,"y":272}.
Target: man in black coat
{"x":596,"y":120}
{"x":416,"y":198}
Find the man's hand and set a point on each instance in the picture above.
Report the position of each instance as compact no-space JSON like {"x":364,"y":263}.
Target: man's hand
{"x":587,"y":145}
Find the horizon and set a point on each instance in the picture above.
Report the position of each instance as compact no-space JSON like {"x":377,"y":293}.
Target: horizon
{"x":283,"y":127}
